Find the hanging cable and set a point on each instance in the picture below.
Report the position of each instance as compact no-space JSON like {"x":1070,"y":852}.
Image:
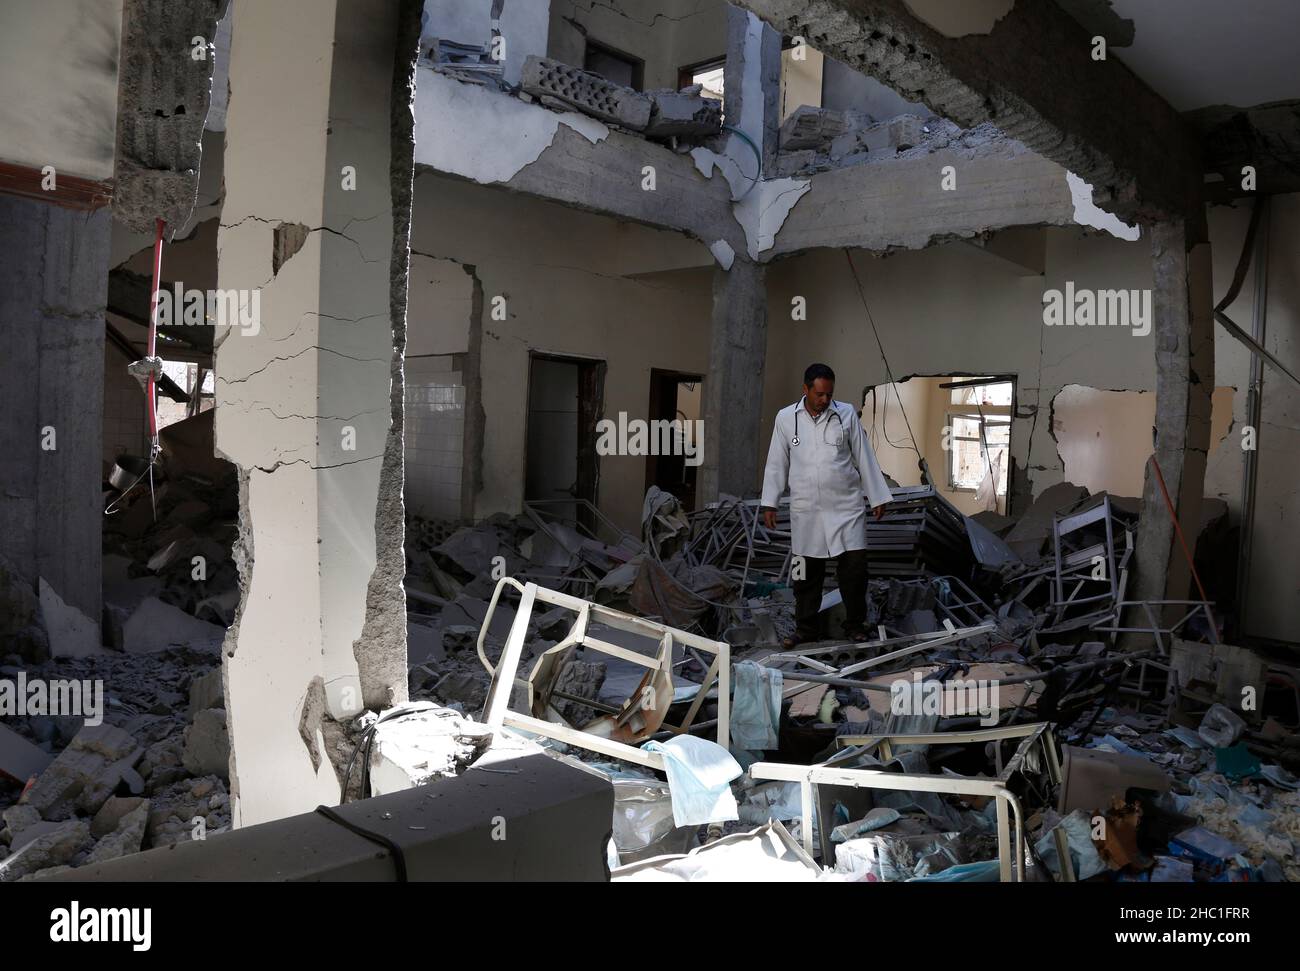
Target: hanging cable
{"x":888,"y":370}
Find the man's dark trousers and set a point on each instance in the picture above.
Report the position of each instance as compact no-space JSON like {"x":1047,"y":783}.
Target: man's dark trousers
{"x":851,"y":571}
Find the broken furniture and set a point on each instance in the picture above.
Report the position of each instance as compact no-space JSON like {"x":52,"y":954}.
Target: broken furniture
{"x":645,"y":710}
{"x":1092,"y":777}
{"x":1090,"y":574}
{"x":1036,"y":753}
{"x":921,"y":533}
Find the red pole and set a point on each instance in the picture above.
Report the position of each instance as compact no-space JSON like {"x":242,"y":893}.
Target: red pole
{"x":153,"y":331}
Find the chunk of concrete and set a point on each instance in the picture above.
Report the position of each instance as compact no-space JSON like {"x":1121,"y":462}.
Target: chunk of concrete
{"x":125,"y":839}
{"x":206,"y":691}
{"x":110,"y":815}
{"x":156,"y":626}
{"x":420,"y":741}
{"x":18,"y":818}
{"x":71,"y":633}
{"x":683,"y":114}
{"x":207,"y":744}
{"x":809,"y":127}
{"x":85,"y":773}
{"x":57,"y":847}
{"x":586,"y":92}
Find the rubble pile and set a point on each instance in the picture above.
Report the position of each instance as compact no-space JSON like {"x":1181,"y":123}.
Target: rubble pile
{"x":144,"y":762}
{"x":1079,"y":734}
{"x":153,"y":773}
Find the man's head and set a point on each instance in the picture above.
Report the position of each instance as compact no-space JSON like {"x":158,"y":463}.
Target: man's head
{"x":818,"y":387}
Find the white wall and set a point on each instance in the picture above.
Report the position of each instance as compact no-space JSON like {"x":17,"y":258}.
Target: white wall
{"x":569,"y":289}
{"x":58,"y":72}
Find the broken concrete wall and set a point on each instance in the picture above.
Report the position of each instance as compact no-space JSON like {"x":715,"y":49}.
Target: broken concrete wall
{"x":309,"y":401}
{"x":953,"y":309}
{"x":566,"y":283}
{"x":1103,"y":436}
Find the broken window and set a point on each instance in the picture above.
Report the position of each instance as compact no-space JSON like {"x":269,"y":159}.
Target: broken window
{"x":708,"y":75}
{"x":979,"y":416}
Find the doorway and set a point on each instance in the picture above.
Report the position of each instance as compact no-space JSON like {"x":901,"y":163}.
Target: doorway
{"x":565,"y":400}
{"x":679,"y":395}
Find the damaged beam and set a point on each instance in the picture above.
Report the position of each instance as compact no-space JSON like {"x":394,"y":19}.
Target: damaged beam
{"x":1033,"y":75}
{"x":496,"y":139}
{"x":902,"y":203}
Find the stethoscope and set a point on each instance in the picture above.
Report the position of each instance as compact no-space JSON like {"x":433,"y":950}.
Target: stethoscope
{"x":834,"y":414}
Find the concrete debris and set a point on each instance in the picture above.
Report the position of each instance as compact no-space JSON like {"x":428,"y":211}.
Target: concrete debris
{"x":71,"y":633}
{"x":684,"y":114}
{"x":60,"y":846}
{"x":555,"y":83}
{"x":125,"y":837}
{"x":85,"y":774}
{"x":187,"y":809}
{"x":156,"y":626}
{"x":810,"y":128}
{"x":416,"y":743}
{"x":470,"y":63}
{"x":207,"y":744}
{"x":820,"y":139}
{"x":971,"y":609}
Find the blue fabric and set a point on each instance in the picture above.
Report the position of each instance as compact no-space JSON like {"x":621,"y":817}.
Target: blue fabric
{"x":699,"y":779}
{"x":755,"y":707}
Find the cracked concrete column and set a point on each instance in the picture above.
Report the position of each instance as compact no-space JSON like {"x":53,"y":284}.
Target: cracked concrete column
{"x":314,"y":238}
{"x":1183,"y":330}
{"x":53,"y":286}
{"x":733,"y":388}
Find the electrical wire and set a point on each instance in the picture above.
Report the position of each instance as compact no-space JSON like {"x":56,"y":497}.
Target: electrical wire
{"x":888,"y":370}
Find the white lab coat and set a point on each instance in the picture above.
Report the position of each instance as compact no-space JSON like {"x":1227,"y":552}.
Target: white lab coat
{"x":829,"y":472}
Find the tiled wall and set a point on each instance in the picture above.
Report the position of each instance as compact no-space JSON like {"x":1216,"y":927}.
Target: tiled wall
{"x":434,"y":426}
{"x":124,"y":419}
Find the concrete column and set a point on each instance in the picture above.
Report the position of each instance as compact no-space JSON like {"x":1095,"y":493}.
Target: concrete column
{"x":734,"y":444}
{"x":1183,"y":330}
{"x":752,"y":83}
{"x":316,"y":218}
{"x":733,"y":389}
{"x":53,"y":287}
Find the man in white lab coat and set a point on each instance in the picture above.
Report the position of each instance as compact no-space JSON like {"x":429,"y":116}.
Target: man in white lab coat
{"x":820,"y":450}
